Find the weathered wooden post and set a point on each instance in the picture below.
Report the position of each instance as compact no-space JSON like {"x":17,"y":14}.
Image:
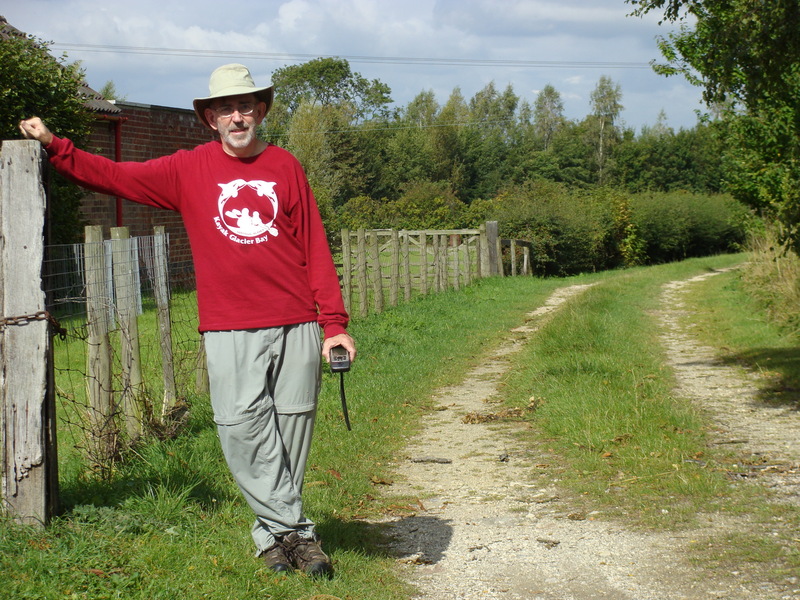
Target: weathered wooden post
{"x":407,"y":267}
{"x":347,"y":270}
{"x":423,"y":263}
{"x":493,"y":255}
{"x":480,"y":244}
{"x":103,"y":433}
{"x":161,"y":293}
{"x":394,"y":278}
{"x":124,"y":261}
{"x":437,"y":271}
{"x":455,"y":240}
{"x":377,"y":275}
{"x":513,"y":253}
{"x":526,"y":259}
{"x":27,"y":405}
{"x":444,"y":278}
{"x":467,"y":261}
{"x":362,"y":273}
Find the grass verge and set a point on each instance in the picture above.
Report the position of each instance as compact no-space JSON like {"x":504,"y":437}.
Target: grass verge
{"x":616,"y":436}
{"x":727,"y":317}
{"x":171,"y":524}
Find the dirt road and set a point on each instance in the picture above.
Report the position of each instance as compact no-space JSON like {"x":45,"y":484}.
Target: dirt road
{"x":492,"y":524}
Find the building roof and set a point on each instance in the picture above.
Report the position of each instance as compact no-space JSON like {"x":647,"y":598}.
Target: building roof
{"x":92,"y":99}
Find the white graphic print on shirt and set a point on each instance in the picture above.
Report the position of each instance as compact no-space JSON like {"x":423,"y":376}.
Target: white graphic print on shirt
{"x":247,"y":211}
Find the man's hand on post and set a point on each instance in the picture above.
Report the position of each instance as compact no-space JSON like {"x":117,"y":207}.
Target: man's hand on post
{"x":35,"y":129}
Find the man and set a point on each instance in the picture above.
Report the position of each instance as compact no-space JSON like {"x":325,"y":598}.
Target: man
{"x":266,"y":284}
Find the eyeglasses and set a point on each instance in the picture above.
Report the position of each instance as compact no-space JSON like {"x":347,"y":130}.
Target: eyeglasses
{"x":244,"y":109}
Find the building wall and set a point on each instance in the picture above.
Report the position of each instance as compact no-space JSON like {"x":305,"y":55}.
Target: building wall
{"x":146,"y":132}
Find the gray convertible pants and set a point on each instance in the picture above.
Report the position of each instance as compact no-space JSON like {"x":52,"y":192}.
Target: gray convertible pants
{"x":264,"y":388}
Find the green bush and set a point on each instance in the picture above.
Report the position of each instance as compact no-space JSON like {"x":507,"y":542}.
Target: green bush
{"x":573,"y":231}
{"x":570,"y":232}
{"x":582,"y":231}
{"x":680,"y":225}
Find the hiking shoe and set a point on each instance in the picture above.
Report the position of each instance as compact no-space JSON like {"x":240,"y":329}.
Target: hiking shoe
{"x":276,"y":558}
{"x":308,"y":556}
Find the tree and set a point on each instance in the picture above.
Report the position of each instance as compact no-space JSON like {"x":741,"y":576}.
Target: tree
{"x":409,"y":151}
{"x":109,"y":92}
{"x":548,"y":114}
{"x":446,"y":141}
{"x":746,"y":56}
{"x":329,"y":81}
{"x":32,"y":82}
{"x":748,"y":50}
{"x":606,"y":108}
{"x":493,"y":134}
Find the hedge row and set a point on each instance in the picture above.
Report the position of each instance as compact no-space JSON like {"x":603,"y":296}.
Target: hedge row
{"x":572,"y":231}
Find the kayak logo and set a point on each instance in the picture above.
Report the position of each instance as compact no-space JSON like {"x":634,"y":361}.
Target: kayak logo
{"x":247,"y":211}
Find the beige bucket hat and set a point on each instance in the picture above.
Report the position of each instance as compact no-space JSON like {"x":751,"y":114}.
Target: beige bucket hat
{"x":231,"y":80}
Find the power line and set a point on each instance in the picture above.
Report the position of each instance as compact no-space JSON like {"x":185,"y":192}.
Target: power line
{"x":397,"y":60}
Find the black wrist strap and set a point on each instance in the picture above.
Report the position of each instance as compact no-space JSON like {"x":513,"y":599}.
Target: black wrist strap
{"x":344,"y":401}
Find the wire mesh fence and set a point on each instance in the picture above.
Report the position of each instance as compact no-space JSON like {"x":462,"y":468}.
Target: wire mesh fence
{"x":101,"y":384}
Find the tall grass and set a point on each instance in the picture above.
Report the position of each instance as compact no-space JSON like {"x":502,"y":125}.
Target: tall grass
{"x":772,"y":276}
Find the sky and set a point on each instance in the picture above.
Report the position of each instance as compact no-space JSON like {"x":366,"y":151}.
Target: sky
{"x":162,"y":52}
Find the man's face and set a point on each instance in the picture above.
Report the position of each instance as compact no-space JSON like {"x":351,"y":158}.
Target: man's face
{"x":236,"y":130}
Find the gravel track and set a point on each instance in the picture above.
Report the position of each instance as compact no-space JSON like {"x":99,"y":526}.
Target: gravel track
{"x":492,"y":525}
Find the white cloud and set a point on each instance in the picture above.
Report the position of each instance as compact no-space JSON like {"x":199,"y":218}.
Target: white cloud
{"x":558,"y":31}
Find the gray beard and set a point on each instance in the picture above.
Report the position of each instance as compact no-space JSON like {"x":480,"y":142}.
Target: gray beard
{"x":237,"y":142}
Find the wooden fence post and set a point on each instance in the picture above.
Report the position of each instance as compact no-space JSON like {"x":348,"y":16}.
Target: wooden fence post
{"x":347,"y":270}
{"x":480,"y":244}
{"x":407,"y":267}
{"x":437,"y":271}
{"x":27,"y":421}
{"x":513,"y":252}
{"x":467,"y":262}
{"x":456,"y":240}
{"x":423,"y":262}
{"x":493,"y":254}
{"x":201,"y":369}
{"x":362,"y":273}
{"x":125,"y":260}
{"x":444,"y":278}
{"x":161,"y":293}
{"x":103,"y":434}
{"x":377,"y":275}
{"x":526,"y":260}
{"x":394,"y":282}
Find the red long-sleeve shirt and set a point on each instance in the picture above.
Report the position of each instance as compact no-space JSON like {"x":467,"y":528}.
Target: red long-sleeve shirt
{"x":259,"y":247}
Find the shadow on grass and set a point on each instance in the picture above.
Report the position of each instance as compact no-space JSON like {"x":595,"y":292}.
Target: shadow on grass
{"x":781,"y":370}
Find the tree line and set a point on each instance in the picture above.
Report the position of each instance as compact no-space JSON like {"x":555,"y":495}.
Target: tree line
{"x":429,"y":164}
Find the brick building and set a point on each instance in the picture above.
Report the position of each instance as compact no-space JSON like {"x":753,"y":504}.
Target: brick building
{"x":136,"y":132}
{"x":139,"y":132}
